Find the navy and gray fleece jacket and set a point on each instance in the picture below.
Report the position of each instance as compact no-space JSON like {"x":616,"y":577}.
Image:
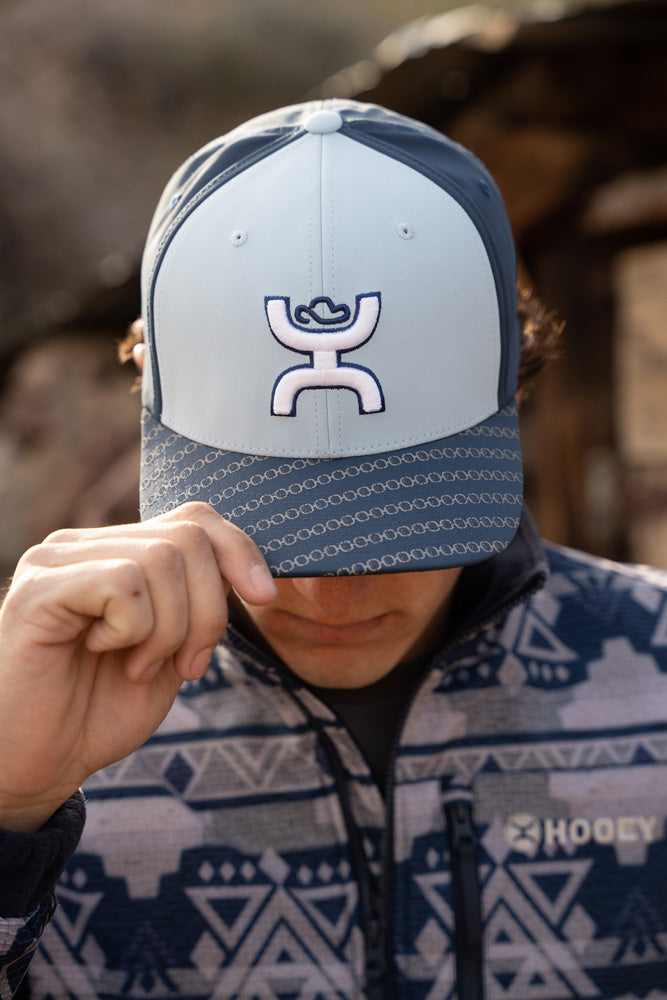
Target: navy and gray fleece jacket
{"x":518,"y":852}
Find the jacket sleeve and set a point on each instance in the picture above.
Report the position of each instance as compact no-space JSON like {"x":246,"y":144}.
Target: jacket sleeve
{"x":30,"y":865}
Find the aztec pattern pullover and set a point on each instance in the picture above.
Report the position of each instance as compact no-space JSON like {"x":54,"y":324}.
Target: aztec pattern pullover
{"x":518,"y":852}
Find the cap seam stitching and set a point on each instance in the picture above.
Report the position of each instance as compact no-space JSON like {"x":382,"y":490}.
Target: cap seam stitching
{"x":377,"y":448}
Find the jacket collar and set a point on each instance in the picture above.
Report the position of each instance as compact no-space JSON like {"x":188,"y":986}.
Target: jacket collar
{"x":488,"y":590}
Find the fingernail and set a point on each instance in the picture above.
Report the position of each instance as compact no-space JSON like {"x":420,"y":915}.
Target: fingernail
{"x":200,"y":663}
{"x":262,"y":581}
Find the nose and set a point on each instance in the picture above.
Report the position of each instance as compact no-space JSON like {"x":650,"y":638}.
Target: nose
{"x":332,"y":594}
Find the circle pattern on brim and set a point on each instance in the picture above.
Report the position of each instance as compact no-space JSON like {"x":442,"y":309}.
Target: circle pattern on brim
{"x":445,"y":503}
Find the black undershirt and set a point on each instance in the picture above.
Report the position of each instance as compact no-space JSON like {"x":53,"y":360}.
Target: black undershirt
{"x":373,"y":713}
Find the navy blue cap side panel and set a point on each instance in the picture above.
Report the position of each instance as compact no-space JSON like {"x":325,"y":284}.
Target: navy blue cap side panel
{"x":449,"y":166}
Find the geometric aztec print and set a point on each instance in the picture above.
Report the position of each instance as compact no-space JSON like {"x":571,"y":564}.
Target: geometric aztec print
{"x":542,"y":936}
{"x":548,"y":722}
{"x":232,"y":911}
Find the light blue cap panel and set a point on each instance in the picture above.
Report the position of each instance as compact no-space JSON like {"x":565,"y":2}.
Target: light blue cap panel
{"x":350,"y":224}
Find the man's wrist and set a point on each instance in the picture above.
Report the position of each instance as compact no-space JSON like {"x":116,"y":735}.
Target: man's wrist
{"x":28,"y":816}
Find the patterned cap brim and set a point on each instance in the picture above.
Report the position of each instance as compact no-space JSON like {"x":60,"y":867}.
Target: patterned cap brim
{"x":445,"y":503}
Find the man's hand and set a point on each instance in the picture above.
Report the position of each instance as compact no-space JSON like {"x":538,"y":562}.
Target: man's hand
{"x":97,"y":632}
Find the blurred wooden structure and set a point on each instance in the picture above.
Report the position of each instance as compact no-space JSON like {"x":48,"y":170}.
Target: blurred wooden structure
{"x":568,"y":109}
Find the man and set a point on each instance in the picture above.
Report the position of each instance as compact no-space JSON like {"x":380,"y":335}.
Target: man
{"x":428,"y":757}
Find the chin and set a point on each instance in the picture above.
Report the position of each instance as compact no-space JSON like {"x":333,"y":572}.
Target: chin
{"x":338,"y":668}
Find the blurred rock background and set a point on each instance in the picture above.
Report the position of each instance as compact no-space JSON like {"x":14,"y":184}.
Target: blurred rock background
{"x":102,"y":100}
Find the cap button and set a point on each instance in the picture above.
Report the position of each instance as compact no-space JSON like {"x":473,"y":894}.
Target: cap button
{"x":323,"y":122}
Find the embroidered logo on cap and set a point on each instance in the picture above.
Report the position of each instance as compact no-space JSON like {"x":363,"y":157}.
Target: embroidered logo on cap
{"x":329,"y":336}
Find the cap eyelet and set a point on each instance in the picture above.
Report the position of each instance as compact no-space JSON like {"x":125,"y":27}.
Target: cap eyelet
{"x":238,"y":237}
{"x":405,"y":231}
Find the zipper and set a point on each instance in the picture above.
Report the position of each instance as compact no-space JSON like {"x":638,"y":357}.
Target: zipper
{"x":468,"y":972}
{"x":468,"y":969}
{"x":373,"y":902}
{"x":378,"y":979}
{"x":466,"y":898}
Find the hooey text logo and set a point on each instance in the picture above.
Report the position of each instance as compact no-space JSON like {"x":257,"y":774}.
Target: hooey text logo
{"x":324,"y":331}
{"x":525,"y":833}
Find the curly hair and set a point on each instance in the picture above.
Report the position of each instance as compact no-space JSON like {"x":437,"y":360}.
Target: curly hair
{"x":540,"y":336}
{"x":133,"y":336}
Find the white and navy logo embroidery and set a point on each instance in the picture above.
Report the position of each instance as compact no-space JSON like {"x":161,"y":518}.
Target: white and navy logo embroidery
{"x":330,"y":334}
{"x":525,"y":833}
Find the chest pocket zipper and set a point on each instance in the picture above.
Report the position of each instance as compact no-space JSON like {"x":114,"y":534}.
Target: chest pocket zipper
{"x":466,"y":896}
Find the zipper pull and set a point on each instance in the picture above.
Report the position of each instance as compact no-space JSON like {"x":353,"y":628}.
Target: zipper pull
{"x":466,"y":898}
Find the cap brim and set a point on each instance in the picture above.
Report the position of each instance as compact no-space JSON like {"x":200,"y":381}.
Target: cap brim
{"x":446,"y":503}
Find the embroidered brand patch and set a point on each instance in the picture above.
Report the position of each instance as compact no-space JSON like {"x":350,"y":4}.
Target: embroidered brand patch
{"x":525,"y":832}
{"x":325,"y":332}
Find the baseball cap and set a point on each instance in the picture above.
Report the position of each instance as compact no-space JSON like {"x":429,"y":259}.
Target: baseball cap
{"x":330,"y":313}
